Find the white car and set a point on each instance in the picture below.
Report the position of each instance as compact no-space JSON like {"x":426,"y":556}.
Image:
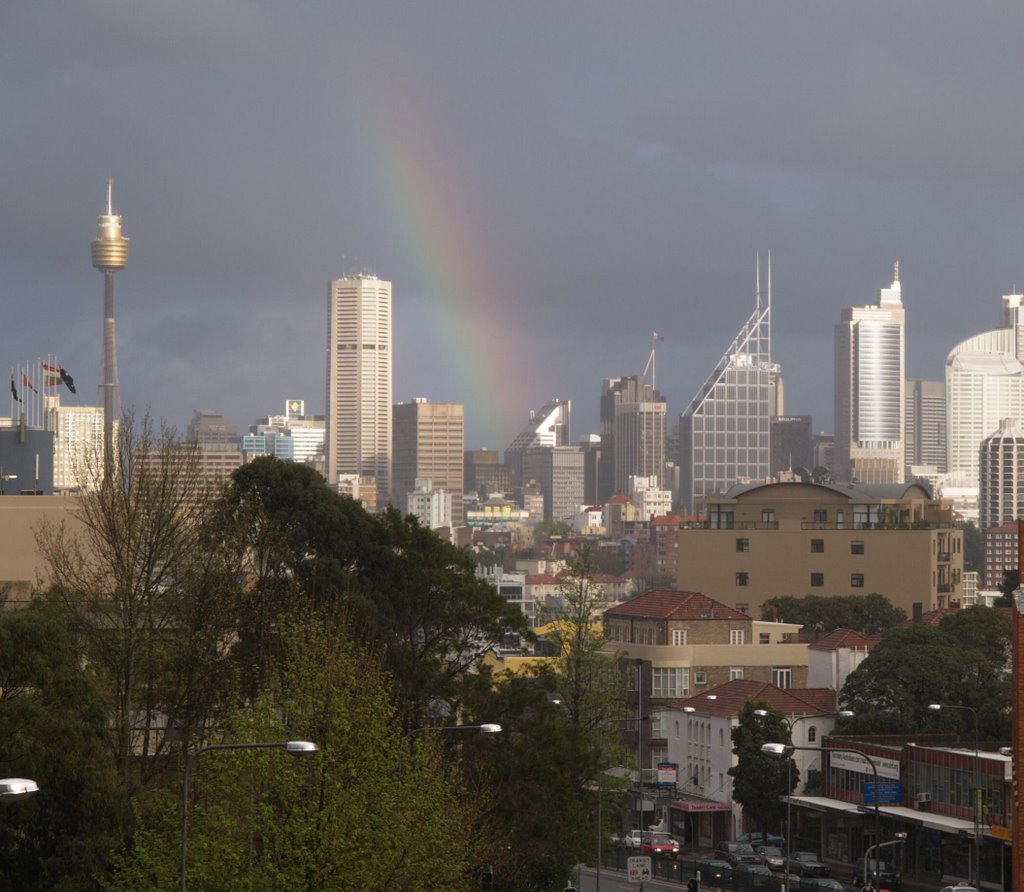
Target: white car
{"x":633,"y":839}
{"x":959,"y":889}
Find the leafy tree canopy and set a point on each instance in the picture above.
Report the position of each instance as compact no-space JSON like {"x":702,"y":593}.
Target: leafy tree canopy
{"x":868,"y":614}
{"x":759,"y":780}
{"x":963,"y":661}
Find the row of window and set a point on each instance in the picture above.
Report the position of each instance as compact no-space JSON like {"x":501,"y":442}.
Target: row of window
{"x":817,"y":580}
{"x":817,"y":546}
{"x":669,"y":682}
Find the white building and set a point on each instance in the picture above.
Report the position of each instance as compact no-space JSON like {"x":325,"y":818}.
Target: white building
{"x":431,"y":507}
{"x":869,"y":390}
{"x":77,"y":444}
{"x":1001,"y":476}
{"x":650,"y":500}
{"x":358,"y":422}
{"x":984,"y":384}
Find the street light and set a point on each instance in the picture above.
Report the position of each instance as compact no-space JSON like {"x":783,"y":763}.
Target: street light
{"x":764,"y":713}
{"x":295,"y":747}
{"x":778,"y":750}
{"x":13,"y":788}
{"x":935,"y":707}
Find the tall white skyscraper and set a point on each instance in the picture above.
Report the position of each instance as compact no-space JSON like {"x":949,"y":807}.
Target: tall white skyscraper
{"x":984,"y":384}
{"x":1001,"y":476}
{"x":724,"y":432}
{"x":358,"y":418}
{"x":77,"y":444}
{"x":869,"y":390}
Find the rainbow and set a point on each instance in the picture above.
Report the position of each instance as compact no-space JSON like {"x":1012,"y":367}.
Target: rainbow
{"x":467,"y":317}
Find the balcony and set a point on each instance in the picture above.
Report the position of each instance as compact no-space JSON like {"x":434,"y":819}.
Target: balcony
{"x":738,"y":525}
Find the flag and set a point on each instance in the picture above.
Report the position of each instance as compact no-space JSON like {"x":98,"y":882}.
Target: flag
{"x":14,"y":391}
{"x":56,"y":375}
{"x":657,"y":337}
{"x":26,"y":383}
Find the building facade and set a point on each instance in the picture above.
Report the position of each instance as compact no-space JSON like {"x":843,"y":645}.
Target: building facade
{"x":797,"y":539}
{"x":359,"y":369}
{"x":632,"y":434}
{"x":869,"y":385}
{"x":724,"y":432}
{"x":551,"y":425}
{"x":1001,"y":476}
{"x":557,"y":471}
{"x":77,"y":445}
{"x":790,"y":443}
{"x":924,"y":431}
{"x":428,"y":443}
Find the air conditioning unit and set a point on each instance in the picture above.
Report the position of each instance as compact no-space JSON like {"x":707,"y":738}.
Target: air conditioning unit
{"x":922,"y":800}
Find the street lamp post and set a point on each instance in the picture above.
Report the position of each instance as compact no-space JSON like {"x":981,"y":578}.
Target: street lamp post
{"x":764,"y":713}
{"x":935,"y":707}
{"x":778,"y":750}
{"x":295,"y":747}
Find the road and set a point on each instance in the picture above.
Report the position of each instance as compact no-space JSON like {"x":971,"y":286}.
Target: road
{"x":615,"y":881}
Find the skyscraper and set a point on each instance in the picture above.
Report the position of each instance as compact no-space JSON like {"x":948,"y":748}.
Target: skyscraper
{"x":984,"y":384}
{"x":1001,"y":476}
{"x":632,"y":434}
{"x":358,"y":419}
{"x":428,"y":443}
{"x":109,"y":254}
{"x":869,"y":382}
{"x":724,"y":432}
{"x":550,"y":426}
{"x":924,"y":439}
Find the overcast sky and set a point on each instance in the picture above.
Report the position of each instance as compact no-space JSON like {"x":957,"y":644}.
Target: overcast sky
{"x":545,"y":183}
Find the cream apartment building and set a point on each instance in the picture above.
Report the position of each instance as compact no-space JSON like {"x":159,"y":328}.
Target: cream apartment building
{"x":765,"y":540}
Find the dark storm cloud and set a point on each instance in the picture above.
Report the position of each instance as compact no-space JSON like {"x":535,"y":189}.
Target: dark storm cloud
{"x":622,"y":164}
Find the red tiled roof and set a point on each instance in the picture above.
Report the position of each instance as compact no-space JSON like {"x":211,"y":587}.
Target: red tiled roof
{"x":838,"y":638}
{"x":619,"y":499}
{"x":672,"y":604}
{"x":541,"y":579}
{"x":666,"y":520}
{"x":731,"y":697}
{"x":934,"y":617}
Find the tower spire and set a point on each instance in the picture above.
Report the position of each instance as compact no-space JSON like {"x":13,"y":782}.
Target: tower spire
{"x":896,"y":271}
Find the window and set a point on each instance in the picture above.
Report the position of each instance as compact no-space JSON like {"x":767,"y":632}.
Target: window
{"x":700,"y":678}
{"x":856,"y":580}
{"x":670,"y":681}
{"x":735,"y":672}
{"x":817,"y":546}
{"x":678,"y":637}
{"x":737,"y":636}
{"x":765,"y":638}
{"x":820,"y":515}
{"x":857,"y":546}
{"x":742,"y":578}
{"x":812,"y":734}
{"x":817,"y":580}
{"x":743,"y":545}
{"x":767,"y":515}
{"x":659,"y":725}
{"x":782,"y":676}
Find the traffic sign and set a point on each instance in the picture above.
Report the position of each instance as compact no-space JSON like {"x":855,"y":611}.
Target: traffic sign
{"x":638,"y":868}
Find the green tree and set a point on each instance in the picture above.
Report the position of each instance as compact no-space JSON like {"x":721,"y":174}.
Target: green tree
{"x":53,"y":729}
{"x":962,"y":661}
{"x":759,"y":780}
{"x":371,"y":810}
{"x":1010,"y":583}
{"x":153,"y":603}
{"x":868,"y":614}
{"x":428,"y":614}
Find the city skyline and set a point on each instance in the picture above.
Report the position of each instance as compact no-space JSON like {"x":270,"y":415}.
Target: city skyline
{"x":545,"y":187}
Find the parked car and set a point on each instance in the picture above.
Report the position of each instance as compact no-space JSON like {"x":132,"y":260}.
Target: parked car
{"x":771,"y":857}
{"x":754,"y":876}
{"x":761,"y":838}
{"x":633,"y":839}
{"x":736,"y":852}
{"x":888,"y":875}
{"x":820,"y":884}
{"x":659,"y":844}
{"x":959,"y":889}
{"x":807,"y":864}
{"x":714,"y":872}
